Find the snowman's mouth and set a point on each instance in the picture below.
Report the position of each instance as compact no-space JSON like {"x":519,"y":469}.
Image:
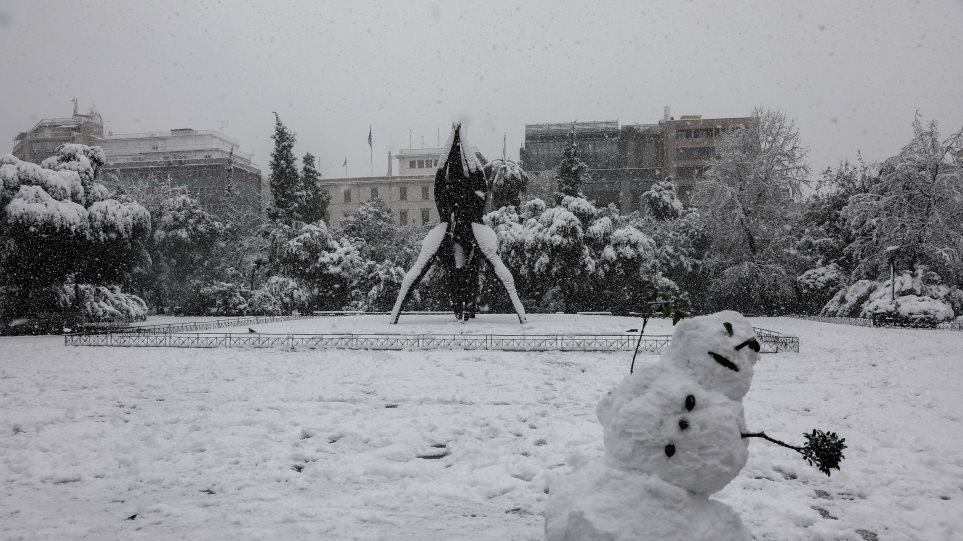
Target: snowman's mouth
{"x":723,"y":361}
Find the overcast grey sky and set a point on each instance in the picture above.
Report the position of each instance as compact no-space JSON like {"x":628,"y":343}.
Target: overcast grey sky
{"x":851,"y":73}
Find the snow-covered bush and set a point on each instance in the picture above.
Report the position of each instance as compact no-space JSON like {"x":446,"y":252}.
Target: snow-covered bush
{"x":817,"y":286}
{"x":58,"y":226}
{"x":218,"y":299}
{"x":506,"y":180}
{"x":661,"y":200}
{"x":327,"y":268}
{"x":378,"y":287}
{"x":579,"y":257}
{"x":917,"y":298}
{"x":849,"y":302}
{"x":102,"y":303}
{"x":278,"y":296}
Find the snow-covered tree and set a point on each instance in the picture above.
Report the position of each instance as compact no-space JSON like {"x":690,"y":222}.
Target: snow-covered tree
{"x":372,"y":230}
{"x":327,"y":268}
{"x":279,"y":295}
{"x":578,"y":257}
{"x":747,"y":202}
{"x":316,"y":198}
{"x":506,"y":180}
{"x":914,"y":214}
{"x":662,"y":201}
{"x":182,"y":246}
{"x":757,"y":172}
{"x":287,"y":190}
{"x":58,"y":226}
{"x":378,"y":287}
{"x":572,"y":173}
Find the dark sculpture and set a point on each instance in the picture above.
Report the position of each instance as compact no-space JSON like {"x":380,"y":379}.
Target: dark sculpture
{"x":461,"y":239}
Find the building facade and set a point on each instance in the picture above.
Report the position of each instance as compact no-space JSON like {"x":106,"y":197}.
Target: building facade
{"x":624,"y":161}
{"x":207,"y":163}
{"x":410,"y":194}
{"x":42,"y":140}
{"x":410,"y":197}
{"x":690,"y":144}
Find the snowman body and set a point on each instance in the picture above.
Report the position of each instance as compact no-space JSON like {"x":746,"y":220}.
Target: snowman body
{"x":673,"y":436}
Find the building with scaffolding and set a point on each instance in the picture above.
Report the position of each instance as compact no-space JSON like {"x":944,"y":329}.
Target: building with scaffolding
{"x":207,"y":163}
{"x":42,"y":140}
{"x":624,"y":160}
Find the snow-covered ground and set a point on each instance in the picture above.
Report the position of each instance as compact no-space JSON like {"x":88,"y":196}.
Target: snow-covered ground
{"x":447,"y":324}
{"x":271,"y":444}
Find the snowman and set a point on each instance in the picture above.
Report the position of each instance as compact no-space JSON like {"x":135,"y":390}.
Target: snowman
{"x":674,"y":434}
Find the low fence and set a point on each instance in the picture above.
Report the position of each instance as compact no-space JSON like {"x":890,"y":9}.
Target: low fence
{"x":503,"y":342}
{"x":775,"y":342}
{"x":866,"y":322}
{"x":770,"y":341}
{"x":190,"y":326}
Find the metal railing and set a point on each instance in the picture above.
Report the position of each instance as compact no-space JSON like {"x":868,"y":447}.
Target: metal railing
{"x":770,"y":341}
{"x":501,"y":342}
{"x":775,"y":342}
{"x":867,"y":322}
{"x":190,"y":326}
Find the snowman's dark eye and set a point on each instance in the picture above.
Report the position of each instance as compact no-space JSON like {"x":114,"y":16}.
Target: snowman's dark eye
{"x":669,"y":450}
{"x":683,"y":424}
{"x":689,"y":403}
{"x":728,"y":327}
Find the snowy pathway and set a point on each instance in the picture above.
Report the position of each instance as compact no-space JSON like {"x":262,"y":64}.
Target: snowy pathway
{"x":240,"y":444}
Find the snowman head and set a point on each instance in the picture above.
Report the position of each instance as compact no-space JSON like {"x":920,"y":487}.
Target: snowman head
{"x":690,"y":437}
{"x":718,"y":351}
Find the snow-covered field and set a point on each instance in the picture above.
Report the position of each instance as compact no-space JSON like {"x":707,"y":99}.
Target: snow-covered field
{"x":105,"y":443}
{"x":447,"y":324}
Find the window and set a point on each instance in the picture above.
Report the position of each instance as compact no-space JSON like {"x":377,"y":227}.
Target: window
{"x":374,"y":193}
{"x":403,"y":194}
{"x":403,"y":216}
{"x":690,"y":172}
{"x":424,"y":193}
{"x":411,"y":164}
{"x":425,"y":216}
{"x":347,"y":196}
{"x":694,"y":153}
{"x":421,"y":164}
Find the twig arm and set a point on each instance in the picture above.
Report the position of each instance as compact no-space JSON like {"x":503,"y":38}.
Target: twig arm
{"x":777,"y":442}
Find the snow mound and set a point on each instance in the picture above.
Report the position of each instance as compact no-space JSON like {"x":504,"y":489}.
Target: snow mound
{"x":658,"y":510}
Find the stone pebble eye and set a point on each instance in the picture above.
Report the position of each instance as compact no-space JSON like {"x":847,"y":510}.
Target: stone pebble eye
{"x":728,"y":327}
{"x":683,"y":424}
{"x":669,"y":450}
{"x":689,"y":403}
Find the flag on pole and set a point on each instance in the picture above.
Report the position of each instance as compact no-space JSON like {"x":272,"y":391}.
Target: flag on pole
{"x":345,"y":164}
{"x":369,"y":135}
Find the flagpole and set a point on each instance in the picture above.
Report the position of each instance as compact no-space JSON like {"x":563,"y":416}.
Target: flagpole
{"x":370,"y":152}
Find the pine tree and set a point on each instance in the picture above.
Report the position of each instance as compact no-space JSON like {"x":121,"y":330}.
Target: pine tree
{"x":286,"y":187}
{"x":572,"y":172}
{"x":316,"y":198}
